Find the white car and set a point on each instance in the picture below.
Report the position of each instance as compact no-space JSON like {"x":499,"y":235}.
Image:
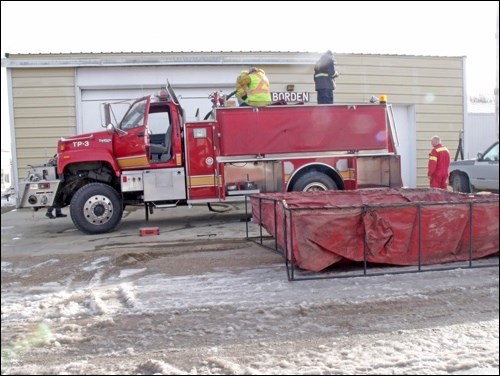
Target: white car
{"x":473,"y":175}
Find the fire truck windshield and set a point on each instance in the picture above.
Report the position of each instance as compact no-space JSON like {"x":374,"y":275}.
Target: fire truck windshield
{"x":135,"y":115}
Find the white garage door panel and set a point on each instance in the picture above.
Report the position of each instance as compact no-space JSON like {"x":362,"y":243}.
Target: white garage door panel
{"x":108,"y":84}
{"x":404,"y":117}
{"x":102,"y":95}
{"x":480,"y":130}
{"x":156,"y":76}
{"x":191,"y":99}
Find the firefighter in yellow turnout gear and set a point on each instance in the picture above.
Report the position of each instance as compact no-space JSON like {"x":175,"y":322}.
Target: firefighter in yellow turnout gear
{"x":252,"y":88}
{"x":242,"y":83}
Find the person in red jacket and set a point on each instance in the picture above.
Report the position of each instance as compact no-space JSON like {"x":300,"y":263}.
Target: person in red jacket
{"x":439,"y":164}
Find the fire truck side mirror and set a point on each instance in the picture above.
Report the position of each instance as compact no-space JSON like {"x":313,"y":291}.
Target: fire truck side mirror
{"x":107,"y":114}
{"x":110,"y":127}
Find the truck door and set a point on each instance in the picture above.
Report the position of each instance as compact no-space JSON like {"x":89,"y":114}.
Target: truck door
{"x":131,"y":138}
{"x":202,"y":173}
{"x":159,"y":129}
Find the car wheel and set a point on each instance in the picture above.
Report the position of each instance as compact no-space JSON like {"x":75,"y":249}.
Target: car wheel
{"x":460,"y":183}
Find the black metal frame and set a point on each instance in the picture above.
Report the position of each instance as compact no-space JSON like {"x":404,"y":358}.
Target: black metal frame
{"x":292,"y":269}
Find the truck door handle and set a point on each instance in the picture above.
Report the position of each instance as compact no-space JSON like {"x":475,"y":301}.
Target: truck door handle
{"x":140,"y":134}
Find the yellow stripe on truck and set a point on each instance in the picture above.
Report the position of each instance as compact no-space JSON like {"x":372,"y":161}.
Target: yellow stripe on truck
{"x":137,"y":161}
{"x":201,"y":181}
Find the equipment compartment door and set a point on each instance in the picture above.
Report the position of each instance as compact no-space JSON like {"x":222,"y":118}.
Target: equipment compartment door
{"x":200,"y":159}
{"x":167,"y":184}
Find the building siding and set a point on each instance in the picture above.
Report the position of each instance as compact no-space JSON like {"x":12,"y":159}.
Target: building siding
{"x":44,"y":110}
{"x":435,"y":85}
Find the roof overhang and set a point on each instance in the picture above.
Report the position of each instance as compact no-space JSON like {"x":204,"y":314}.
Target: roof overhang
{"x":157,"y":58}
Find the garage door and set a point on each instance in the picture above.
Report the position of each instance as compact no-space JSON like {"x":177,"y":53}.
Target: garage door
{"x":404,"y":117}
{"x":194,"y":101}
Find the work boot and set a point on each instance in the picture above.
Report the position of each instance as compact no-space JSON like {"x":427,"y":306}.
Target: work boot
{"x":49,"y":215}
{"x":61,"y":215}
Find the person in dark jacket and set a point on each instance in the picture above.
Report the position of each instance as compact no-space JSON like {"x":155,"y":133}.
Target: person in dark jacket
{"x":324,"y":78}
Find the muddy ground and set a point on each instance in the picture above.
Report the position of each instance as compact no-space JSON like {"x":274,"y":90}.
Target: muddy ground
{"x":202,"y":299}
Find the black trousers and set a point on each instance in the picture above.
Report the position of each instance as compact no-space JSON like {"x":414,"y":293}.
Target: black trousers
{"x":325,"y":96}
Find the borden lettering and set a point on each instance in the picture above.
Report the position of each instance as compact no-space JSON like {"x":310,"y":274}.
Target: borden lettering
{"x":290,"y":96}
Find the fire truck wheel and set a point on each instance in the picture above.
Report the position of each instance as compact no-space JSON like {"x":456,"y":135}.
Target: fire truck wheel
{"x":314,"y":181}
{"x":96,"y":208}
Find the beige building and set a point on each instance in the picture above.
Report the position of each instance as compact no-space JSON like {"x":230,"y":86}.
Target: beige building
{"x":57,"y":95}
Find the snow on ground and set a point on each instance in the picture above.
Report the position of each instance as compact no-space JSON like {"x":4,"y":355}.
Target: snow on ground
{"x":8,"y":199}
{"x":192,"y":303}
{"x":140,"y":320}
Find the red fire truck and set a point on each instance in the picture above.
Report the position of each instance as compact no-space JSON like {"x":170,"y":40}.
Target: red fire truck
{"x":153,"y":157}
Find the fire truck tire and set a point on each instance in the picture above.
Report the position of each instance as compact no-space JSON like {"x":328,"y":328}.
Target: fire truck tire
{"x":96,"y":208}
{"x":314,"y":181}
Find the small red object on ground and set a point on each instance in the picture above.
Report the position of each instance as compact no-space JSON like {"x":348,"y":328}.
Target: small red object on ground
{"x":147,"y":231}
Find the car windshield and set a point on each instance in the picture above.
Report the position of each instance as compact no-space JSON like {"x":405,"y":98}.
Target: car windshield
{"x":492,"y":154}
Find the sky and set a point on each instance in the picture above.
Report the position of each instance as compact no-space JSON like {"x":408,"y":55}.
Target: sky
{"x":436,"y":28}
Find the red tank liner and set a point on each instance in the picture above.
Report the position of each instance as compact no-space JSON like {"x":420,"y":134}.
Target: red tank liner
{"x":323,"y":228}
